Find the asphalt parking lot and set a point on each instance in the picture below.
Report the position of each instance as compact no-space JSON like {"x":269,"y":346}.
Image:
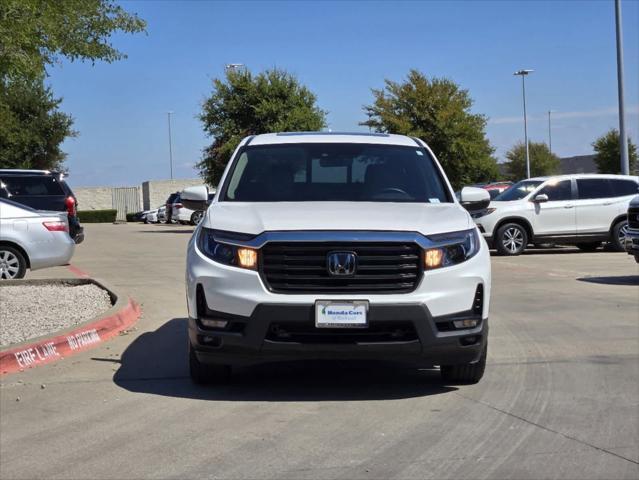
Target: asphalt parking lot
{"x":560,"y":398}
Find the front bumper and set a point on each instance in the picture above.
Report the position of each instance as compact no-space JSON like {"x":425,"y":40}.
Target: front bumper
{"x":242,"y":296}
{"x":280,"y":332}
{"x":631,"y":242}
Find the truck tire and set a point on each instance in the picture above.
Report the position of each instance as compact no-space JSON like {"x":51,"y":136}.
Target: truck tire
{"x":617,"y":236}
{"x":467,"y":373}
{"x":511,"y":239}
{"x":202,"y":374}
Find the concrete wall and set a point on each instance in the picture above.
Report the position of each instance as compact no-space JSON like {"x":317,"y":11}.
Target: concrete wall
{"x":155,"y":192}
{"x":152,"y":194}
{"x":94,"y":198}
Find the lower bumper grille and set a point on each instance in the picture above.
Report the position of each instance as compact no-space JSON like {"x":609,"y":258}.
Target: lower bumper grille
{"x":306,"y":332}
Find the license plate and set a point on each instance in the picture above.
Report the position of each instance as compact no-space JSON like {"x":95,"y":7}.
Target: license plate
{"x":341,"y":314}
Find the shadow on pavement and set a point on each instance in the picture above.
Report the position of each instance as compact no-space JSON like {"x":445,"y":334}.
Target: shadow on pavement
{"x":632,"y":280}
{"x":558,"y":250}
{"x":189,"y":231}
{"x":156,"y":363}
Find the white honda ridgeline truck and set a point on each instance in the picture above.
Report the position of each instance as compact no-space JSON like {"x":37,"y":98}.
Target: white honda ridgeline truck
{"x":337,"y":246}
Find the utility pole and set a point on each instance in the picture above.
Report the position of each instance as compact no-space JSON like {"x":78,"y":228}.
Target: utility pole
{"x":523,"y":73}
{"x":549,"y":133}
{"x":170,"y":146}
{"x":623,"y":139}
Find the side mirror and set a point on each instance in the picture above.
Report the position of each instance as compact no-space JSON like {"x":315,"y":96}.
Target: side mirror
{"x":541,"y":198}
{"x":195,"y":198}
{"x":473,"y":199}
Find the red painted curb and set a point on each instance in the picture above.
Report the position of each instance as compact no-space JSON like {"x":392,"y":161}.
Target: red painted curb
{"x":78,"y":272}
{"x":77,"y":340}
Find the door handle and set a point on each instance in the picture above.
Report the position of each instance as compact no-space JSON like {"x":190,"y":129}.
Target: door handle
{"x":568,"y":206}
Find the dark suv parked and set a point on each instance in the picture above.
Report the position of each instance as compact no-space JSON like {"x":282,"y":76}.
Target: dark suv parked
{"x":42,"y":190}
{"x":169,"y":206}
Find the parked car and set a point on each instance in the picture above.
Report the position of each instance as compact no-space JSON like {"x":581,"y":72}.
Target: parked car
{"x":185,"y":215}
{"x":632,"y":232}
{"x":340,"y":246}
{"x":494,"y":188}
{"x":139,"y":216}
{"x":42,"y":190}
{"x":31,"y":239}
{"x":583,"y":210}
{"x":161,"y":214}
{"x":497,"y":188}
{"x":168,"y":207}
{"x":151,"y":216}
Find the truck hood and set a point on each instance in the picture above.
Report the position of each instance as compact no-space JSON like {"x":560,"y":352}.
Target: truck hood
{"x":255,"y":218}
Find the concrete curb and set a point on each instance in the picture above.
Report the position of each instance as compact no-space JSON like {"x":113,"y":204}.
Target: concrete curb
{"x":47,"y":349}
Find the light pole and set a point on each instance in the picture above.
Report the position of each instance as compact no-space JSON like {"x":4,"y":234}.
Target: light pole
{"x":234,"y":66}
{"x":549,"y":133}
{"x":523,"y":74}
{"x":170,"y":146}
{"x":623,"y":139}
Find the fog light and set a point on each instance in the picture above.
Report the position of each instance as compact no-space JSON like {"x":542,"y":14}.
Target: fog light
{"x":247,"y":258}
{"x":208,"y":322}
{"x":433,"y":258}
{"x":467,"y":341}
{"x":467,"y":323}
{"x":209,"y":341}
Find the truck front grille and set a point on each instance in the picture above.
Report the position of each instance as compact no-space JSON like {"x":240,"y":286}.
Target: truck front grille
{"x":301,"y":267}
{"x":633,"y":218}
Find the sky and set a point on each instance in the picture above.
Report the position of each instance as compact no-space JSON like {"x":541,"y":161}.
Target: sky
{"x":341,"y":50}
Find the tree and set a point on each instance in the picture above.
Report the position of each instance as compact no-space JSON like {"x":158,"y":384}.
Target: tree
{"x":35,"y":33}
{"x":243,"y":104}
{"x":607,"y":153}
{"x":437,"y":111}
{"x":31,"y":126}
{"x":542,"y":160}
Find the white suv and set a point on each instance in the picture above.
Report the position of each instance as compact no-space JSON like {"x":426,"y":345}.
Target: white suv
{"x":337,"y":246}
{"x":583,"y":210}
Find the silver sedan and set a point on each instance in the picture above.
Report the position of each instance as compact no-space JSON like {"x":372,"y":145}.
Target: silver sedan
{"x":32,"y":239}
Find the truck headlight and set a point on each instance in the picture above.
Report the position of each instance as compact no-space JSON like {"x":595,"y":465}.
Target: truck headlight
{"x":224,"y":253}
{"x":451,"y":249}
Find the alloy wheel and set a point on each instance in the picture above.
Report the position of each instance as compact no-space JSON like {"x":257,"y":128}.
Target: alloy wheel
{"x":513,"y":239}
{"x":9,"y":265}
{"x":622,"y":233}
{"x":197,"y":217}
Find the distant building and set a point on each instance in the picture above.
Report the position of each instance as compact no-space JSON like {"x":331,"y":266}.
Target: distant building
{"x":568,"y":165}
{"x":578,"y":164}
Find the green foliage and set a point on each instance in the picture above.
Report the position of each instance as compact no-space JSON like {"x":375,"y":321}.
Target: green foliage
{"x":608,"y":155}
{"x":243,"y":104}
{"x":542,"y":161}
{"x":31,"y":126}
{"x":437,"y":110}
{"x":35,"y":33}
{"x":97,"y":216}
{"x":130,"y":217}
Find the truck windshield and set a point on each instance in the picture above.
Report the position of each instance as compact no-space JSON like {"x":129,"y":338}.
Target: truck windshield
{"x":518,"y":191}
{"x":334,"y":172}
